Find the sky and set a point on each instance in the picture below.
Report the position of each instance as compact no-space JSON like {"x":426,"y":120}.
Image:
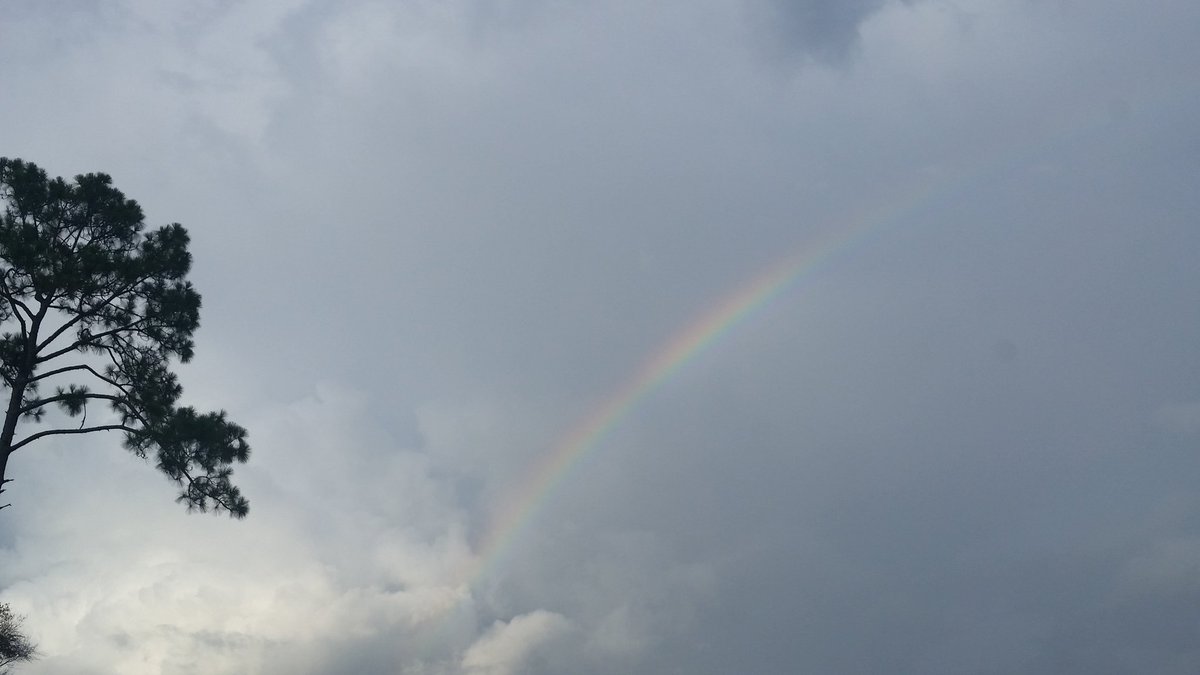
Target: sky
{"x":697,"y":336}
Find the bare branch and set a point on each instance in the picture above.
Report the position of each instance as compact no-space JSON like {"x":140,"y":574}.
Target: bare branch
{"x":86,"y":430}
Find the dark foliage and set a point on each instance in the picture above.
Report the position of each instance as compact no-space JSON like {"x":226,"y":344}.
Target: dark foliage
{"x":93,"y":309}
{"x":15,"y":647}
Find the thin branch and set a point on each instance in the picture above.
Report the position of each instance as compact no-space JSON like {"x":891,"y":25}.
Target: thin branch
{"x":191,"y":480}
{"x":72,"y":309}
{"x":15,"y":304}
{"x":78,"y":230}
{"x":62,"y":397}
{"x":127,"y":408}
{"x":83,"y":343}
{"x":90,"y":313}
{"x":81,"y":366}
{"x":88,"y":430}
{"x":114,"y":356}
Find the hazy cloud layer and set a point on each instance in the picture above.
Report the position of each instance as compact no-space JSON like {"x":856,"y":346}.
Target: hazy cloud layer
{"x":432,"y":237}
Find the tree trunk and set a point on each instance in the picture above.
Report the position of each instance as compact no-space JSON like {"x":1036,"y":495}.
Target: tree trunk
{"x":10,"y":429}
{"x":17,"y":396}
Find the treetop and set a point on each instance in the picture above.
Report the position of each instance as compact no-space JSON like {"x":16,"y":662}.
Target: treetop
{"x":92,"y":300}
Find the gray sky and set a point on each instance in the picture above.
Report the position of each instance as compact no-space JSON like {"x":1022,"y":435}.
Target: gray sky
{"x":432,"y":237}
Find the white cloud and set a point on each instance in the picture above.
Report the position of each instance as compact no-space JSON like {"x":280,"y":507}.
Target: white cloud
{"x":506,"y":646}
{"x":360,"y":549}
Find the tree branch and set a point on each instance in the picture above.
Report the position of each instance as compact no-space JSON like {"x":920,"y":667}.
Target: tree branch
{"x":81,"y":366}
{"x":82,"y":343}
{"x":29,"y":358}
{"x":81,"y":315}
{"x":62,"y":397}
{"x":211,"y":494}
{"x":86,"y":430}
{"x":16,"y":304}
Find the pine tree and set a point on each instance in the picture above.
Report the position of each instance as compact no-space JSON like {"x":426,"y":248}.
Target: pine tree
{"x":93,"y":309}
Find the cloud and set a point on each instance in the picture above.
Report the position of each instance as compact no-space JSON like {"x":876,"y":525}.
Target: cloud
{"x":826,"y":31}
{"x":507,"y":646}
{"x":358,"y":554}
{"x":433,"y":238}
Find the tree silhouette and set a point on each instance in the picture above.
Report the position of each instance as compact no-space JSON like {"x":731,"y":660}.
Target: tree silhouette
{"x":14,"y":646}
{"x":93,"y":309}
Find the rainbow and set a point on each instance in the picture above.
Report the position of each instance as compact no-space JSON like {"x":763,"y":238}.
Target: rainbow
{"x":520,"y":510}
{"x":698,"y":336}
{"x":548,"y":473}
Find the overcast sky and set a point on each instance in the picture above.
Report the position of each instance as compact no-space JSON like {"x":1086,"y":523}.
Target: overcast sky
{"x":433,"y":238}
